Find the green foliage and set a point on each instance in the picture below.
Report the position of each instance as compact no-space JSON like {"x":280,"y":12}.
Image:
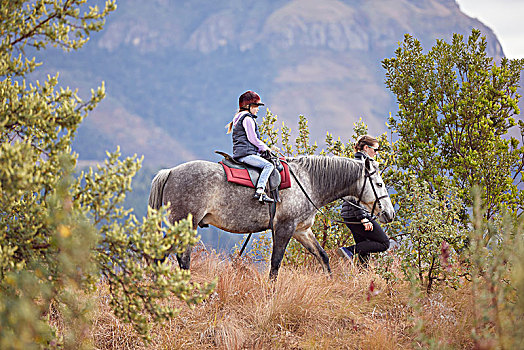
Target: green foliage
{"x":496,"y":252}
{"x":456,"y":107}
{"x":281,"y":138}
{"x":127,"y":245}
{"x":60,"y":234}
{"x":428,"y":233}
{"x":495,"y":255}
{"x":42,"y":267}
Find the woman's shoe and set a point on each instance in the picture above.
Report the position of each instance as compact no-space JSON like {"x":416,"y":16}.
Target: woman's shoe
{"x":345,"y":253}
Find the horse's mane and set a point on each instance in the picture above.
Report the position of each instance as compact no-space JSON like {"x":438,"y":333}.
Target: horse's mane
{"x":327,"y":171}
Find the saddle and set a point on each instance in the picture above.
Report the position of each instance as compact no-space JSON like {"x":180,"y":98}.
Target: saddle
{"x":246,"y":175}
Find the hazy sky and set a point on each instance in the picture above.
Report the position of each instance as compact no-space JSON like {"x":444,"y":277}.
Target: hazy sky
{"x":504,"y":17}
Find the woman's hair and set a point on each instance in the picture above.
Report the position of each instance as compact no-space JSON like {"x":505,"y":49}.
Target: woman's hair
{"x":363,"y":141}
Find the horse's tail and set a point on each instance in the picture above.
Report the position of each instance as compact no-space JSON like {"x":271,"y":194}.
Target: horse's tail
{"x":157,"y":188}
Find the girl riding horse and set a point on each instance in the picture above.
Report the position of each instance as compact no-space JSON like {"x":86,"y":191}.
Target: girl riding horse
{"x":246,"y":141}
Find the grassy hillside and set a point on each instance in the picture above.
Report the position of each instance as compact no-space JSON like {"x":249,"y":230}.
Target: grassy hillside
{"x":304,"y":309}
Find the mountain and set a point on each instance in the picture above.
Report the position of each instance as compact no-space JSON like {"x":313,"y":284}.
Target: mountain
{"x":174,"y":69}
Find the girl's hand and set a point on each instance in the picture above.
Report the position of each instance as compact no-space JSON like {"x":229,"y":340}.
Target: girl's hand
{"x":368,"y":226}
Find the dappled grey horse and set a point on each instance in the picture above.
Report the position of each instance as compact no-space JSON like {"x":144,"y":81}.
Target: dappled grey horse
{"x":200,"y":188}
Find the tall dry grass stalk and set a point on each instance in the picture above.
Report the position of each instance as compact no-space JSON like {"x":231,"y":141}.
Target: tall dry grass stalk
{"x":304,"y":309}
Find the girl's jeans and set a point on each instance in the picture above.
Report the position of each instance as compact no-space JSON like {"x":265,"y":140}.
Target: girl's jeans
{"x":260,"y":163}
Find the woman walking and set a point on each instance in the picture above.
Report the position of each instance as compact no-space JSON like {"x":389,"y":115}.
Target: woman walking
{"x":367,"y":233}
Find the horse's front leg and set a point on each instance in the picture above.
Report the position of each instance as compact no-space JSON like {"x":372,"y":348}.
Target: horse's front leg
{"x":309,"y":241}
{"x":281,"y":237}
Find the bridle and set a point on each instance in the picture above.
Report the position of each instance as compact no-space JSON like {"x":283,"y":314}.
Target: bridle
{"x":367,"y":176}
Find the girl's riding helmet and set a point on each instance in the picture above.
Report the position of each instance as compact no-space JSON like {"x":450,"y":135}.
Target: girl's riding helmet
{"x":249,"y":98}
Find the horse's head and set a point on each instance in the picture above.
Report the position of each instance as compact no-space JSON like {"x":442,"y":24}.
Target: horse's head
{"x":373,"y":194}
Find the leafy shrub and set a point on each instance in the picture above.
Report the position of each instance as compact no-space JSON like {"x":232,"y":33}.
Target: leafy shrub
{"x":428,"y":233}
{"x":60,"y":234}
{"x":496,"y":253}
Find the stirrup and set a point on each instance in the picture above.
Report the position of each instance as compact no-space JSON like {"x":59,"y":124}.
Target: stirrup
{"x":262,"y":197}
{"x":265,"y":199}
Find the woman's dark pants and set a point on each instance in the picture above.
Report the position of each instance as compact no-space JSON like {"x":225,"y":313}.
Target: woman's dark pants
{"x":367,"y":242}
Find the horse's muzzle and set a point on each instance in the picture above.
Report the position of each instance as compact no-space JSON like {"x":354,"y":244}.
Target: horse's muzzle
{"x":386,"y":217}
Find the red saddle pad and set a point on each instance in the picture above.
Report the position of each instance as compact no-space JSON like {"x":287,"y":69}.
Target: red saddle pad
{"x":241,"y":176}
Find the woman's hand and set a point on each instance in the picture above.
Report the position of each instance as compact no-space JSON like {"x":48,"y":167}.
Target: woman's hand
{"x":368,"y":226}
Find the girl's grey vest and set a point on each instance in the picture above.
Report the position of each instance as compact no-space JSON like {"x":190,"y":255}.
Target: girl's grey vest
{"x":241,"y":145}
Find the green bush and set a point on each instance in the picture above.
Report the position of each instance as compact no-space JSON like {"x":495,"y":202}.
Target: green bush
{"x":496,"y":253}
{"x":60,"y":234}
{"x":428,"y":233}
{"x":456,"y":110}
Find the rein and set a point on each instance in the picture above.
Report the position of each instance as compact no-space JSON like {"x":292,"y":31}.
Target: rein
{"x":355,"y":205}
{"x":373,"y":217}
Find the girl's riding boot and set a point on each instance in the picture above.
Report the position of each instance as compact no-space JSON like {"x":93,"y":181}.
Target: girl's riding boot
{"x":262,"y":197}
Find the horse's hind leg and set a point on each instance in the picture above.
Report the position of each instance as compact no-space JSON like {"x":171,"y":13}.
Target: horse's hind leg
{"x":309,"y":241}
{"x":184,"y":259}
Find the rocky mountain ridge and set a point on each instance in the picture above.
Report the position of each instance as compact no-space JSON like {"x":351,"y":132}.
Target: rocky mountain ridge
{"x":174,"y":69}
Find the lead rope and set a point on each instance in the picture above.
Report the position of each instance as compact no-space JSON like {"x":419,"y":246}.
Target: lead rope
{"x":320,"y":211}
{"x":373,"y":217}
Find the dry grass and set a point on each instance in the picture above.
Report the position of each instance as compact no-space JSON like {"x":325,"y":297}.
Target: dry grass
{"x":304,"y":309}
